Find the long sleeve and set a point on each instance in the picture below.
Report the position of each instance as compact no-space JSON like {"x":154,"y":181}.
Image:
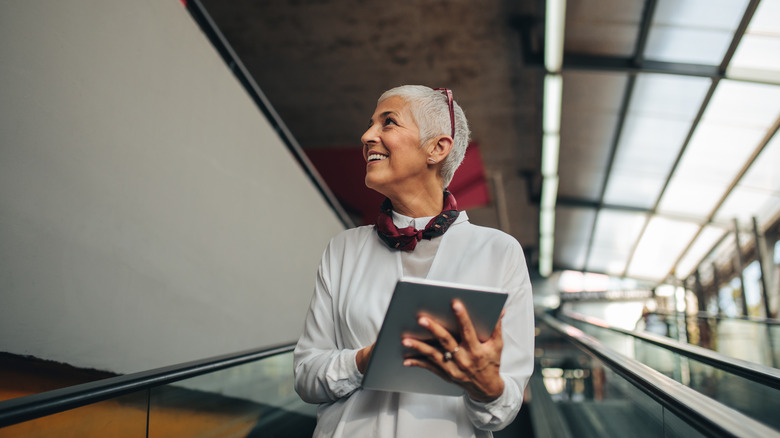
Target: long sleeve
{"x":323,"y":371}
{"x":517,"y":356}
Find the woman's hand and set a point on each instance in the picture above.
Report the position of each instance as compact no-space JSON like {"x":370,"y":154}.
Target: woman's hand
{"x":363,"y":355}
{"x":472,"y":364}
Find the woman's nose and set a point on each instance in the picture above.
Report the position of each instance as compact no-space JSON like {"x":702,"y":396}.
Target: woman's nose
{"x":370,"y":135}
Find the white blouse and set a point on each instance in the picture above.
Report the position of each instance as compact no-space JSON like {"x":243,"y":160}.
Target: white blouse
{"x":354,"y":283}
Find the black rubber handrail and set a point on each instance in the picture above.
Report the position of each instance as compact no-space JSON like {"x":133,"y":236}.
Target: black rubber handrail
{"x":705,"y":315}
{"x":51,"y":402}
{"x":229,"y":56}
{"x":701,"y":412}
{"x":756,"y":372}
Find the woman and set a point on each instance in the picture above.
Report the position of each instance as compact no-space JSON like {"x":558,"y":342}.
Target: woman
{"x":415,"y":140}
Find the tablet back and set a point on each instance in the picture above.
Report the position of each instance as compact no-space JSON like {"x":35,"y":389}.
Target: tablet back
{"x":411,"y":299}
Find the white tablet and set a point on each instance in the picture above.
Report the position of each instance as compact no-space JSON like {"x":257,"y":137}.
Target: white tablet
{"x":415,"y":297}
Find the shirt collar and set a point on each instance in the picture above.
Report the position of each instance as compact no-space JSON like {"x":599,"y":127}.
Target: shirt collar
{"x":419,"y":223}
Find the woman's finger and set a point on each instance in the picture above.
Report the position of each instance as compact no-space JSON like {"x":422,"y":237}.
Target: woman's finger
{"x":424,"y":348}
{"x":467,"y":331}
{"x":412,"y":362}
{"x":442,"y":334}
{"x":497,"y":335}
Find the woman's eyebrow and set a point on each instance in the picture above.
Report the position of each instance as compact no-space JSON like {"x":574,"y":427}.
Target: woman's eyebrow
{"x":382,"y":116}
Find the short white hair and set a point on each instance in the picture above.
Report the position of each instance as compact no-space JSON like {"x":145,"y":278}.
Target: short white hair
{"x":431,"y":113}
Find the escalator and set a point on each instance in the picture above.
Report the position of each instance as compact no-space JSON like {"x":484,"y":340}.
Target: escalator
{"x":752,"y":389}
{"x":583,"y":388}
{"x":246,"y":394}
{"x":580,"y":388}
{"x":749,"y":338}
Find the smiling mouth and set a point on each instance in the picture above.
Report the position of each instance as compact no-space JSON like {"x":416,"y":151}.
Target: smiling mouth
{"x":376,"y":157}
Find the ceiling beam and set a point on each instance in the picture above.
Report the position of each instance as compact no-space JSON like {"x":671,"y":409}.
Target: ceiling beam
{"x":576,"y":61}
{"x":764,"y":142}
{"x":740,"y":32}
{"x":743,"y":24}
{"x":595,"y":205}
{"x":636,"y":61}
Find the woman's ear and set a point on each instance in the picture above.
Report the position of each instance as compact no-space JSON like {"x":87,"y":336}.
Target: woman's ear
{"x":439,"y":149}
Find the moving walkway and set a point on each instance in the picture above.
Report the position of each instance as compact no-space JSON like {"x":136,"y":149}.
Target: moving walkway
{"x":581,"y":388}
{"x":749,"y":338}
{"x":750,"y":388}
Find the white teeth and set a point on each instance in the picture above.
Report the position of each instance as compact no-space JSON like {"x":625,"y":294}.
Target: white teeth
{"x":374,"y":157}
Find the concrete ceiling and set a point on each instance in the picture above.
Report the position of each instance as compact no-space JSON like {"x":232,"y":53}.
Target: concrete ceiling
{"x":645,"y":81}
{"x":323,"y":64}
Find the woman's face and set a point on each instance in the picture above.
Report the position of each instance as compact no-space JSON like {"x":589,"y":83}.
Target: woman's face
{"x":391,"y":147}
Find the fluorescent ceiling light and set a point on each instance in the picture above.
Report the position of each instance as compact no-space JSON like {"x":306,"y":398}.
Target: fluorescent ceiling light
{"x":549,"y":192}
{"x":545,"y":255}
{"x":554,"y":23}
{"x":546,"y":221}
{"x":553,"y":94}
{"x":550,"y":148}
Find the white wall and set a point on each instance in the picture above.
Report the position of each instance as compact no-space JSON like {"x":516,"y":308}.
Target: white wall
{"x":149,"y":214}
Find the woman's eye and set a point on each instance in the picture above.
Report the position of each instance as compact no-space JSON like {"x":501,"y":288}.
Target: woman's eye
{"x":389,"y":121}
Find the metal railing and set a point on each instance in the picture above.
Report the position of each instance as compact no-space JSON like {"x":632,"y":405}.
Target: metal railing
{"x":40,"y":405}
{"x":697,"y":410}
{"x":758,"y":373}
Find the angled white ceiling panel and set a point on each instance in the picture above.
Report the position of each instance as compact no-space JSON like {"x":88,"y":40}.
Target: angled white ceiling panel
{"x":703,"y":244}
{"x":668,"y":96}
{"x":710,"y":164}
{"x":758,"y":54}
{"x":660,"y":246}
{"x":693,"y":31}
{"x":614,"y":238}
{"x":573,"y":226}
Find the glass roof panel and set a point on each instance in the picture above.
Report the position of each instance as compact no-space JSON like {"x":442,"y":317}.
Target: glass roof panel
{"x":758,"y":192}
{"x":691,"y":46}
{"x":693,"y":31}
{"x":633,"y":188}
{"x":757,"y":57}
{"x":717,"y":152}
{"x":758,"y":53}
{"x":718,"y":14}
{"x":707,"y":239}
{"x":647,"y":150}
{"x":743,"y":203}
{"x":733,"y":125}
{"x":744,"y":103}
{"x":764,"y":173}
{"x":669,"y":96}
{"x":650,"y":144}
{"x":765,"y":18}
{"x":714,"y":157}
{"x":572,"y":232}
{"x":660,"y":246}
{"x":611,"y":249}
{"x":658,"y":121}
